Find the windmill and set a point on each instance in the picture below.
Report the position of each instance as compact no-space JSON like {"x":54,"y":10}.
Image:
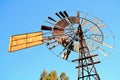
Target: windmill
{"x":73,"y":36}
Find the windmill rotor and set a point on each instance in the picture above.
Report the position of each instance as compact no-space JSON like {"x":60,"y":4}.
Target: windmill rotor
{"x":66,"y":27}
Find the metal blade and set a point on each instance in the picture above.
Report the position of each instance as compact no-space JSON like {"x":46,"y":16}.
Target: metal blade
{"x":88,"y":29}
{"x":96,"y":58}
{"x":101,"y":25}
{"x":66,"y":54}
{"x":52,"y":19}
{"x":83,"y":20}
{"x":103,"y":52}
{"x":76,"y":46}
{"x":43,"y":27}
{"x":58,"y":15}
{"x":105,"y":44}
{"x":108,"y":45}
{"x":53,"y":46}
{"x":48,"y":43}
{"x":85,"y":23}
{"x":48,"y":38}
{"x":87,"y":15}
{"x":62,"y":14}
{"x":54,"y":24}
{"x":95,"y":20}
{"x":61,"y":51}
{"x":78,"y":14}
{"x":66,"y":14}
{"x":49,"y":22}
{"x":109,"y":36}
{"x":92,"y":28}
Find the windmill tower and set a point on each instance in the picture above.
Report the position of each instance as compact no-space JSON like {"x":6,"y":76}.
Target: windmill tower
{"x":76,"y":37}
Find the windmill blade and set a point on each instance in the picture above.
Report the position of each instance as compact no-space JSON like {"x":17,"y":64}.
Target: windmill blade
{"x":61,"y":52}
{"x":105,"y":44}
{"x":52,"y":19}
{"x":108,"y":45}
{"x":95,"y":20}
{"x":103,"y":52}
{"x":48,"y":38}
{"x":101,"y":25}
{"x":93,"y":29}
{"x":66,"y":14}
{"x":78,"y":14}
{"x":54,"y":24}
{"x":85,"y":23}
{"x":58,"y":15}
{"x":66,"y":54}
{"x":43,"y":27}
{"x":86,"y":16}
{"x":76,"y":46}
{"x":49,"y":22}
{"x":89,"y":29}
{"x":57,"y":38}
{"x":96,"y":58}
{"x":48,"y":43}
{"x":109,"y":36}
{"x":62,"y":14}
{"x":70,"y":45}
{"x":51,"y":47}
{"x":22,"y":41}
{"x":83,"y":20}
{"x":70,"y":19}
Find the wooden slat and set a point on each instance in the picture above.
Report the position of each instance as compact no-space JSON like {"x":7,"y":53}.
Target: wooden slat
{"x":23,"y":41}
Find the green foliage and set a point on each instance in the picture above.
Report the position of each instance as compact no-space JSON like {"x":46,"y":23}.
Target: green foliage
{"x":53,"y":76}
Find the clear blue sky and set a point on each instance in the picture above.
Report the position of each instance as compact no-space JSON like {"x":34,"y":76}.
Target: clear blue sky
{"x":22,"y":16}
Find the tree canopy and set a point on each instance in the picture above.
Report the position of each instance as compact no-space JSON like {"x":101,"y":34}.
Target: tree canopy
{"x":53,"y":76}
{"x":63,"y":76}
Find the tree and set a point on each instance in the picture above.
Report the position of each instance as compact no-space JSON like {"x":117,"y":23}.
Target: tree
{"x":63,"y":76}
{"x":53,"y":76}
{"x":44,"y":75}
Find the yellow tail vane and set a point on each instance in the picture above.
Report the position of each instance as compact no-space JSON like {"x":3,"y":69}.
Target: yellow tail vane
{"x":22,"y":41}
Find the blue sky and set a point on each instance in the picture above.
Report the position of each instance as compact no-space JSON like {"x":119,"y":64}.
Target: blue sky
{"x":22,"y":16}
